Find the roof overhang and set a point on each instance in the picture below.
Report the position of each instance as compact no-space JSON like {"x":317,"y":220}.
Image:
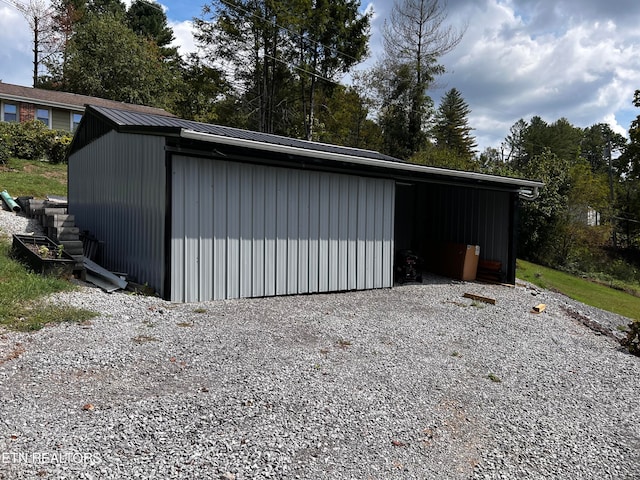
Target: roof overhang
{"x":44,"y":103}
{"x":527,"y":189}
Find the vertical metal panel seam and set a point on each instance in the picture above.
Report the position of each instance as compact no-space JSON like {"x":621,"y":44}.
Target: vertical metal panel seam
{"x":168,"y":220}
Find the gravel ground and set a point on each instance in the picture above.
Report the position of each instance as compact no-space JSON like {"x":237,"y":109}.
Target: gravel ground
{"x":415,"y":382}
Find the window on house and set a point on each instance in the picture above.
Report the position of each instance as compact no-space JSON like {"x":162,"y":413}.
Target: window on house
{"x":75,"y":121}
{"x":10,"y":112}
{"x":42,"y":114}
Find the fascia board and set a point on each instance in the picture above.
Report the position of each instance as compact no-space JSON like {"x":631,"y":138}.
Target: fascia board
{"x":373,"y":162}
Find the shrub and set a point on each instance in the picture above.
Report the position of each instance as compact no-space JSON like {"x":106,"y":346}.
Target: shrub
{"x":29,"y":140}
{"x":5,"y":146}
{"x":632,"y":342}
{"x":59,"y":147}
{"x":34,"y":141}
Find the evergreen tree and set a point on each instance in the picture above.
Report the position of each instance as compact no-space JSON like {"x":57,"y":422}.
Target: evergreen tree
{"x":148,"y":20}
{"x":512,"y":148}
{"x":451,"y":130}
{"x":115,"y":8}
{"x":333,"y":36}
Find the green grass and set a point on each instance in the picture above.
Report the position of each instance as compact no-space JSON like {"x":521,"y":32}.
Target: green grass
{"x":33,"y":178}
{"x":584,"y":291}
{"x":21,"y":293}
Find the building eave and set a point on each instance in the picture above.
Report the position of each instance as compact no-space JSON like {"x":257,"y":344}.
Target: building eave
{"x":44,"y":103}
{"x":528,"y":189}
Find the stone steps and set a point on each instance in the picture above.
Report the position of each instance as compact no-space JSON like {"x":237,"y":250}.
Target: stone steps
{"x":59,"y":226}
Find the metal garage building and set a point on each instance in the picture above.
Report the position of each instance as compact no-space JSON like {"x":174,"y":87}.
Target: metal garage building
{"x":203,"y":212}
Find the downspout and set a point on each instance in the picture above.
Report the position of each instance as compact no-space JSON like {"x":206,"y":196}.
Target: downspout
{"x":529,"y":194}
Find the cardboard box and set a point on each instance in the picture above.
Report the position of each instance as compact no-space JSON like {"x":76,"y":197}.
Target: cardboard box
{"x":458,"y":260}
{"x":470,"y":262}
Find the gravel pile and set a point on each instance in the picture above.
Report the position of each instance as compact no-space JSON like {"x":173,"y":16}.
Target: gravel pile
{"x":416,"y":382}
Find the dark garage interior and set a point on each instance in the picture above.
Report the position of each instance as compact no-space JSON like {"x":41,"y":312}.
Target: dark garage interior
{"x":435,"y":221}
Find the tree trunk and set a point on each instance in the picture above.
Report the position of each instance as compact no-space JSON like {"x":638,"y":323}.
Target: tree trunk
{"x":36,"y":47}
{"x":312,"y":95}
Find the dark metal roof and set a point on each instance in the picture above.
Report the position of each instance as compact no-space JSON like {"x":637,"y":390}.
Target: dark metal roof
{"x":98,"y":120}
{"x":124,"y":121}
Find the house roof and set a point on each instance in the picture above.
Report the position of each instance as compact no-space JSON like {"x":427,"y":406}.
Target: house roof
{"x":365,"y":160}
{"x":70,"y":101}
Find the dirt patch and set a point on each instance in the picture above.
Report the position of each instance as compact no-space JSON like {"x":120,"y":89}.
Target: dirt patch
{"x":13,"y":352}
{"x":60,"y":176}
{"x":587,"y":322}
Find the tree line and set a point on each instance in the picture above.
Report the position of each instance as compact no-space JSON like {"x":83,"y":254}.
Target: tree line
{"x":273,"y":66}
{"x":276,"y":66}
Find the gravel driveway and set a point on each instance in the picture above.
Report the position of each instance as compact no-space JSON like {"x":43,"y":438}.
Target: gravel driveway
{"x":414,"y":382}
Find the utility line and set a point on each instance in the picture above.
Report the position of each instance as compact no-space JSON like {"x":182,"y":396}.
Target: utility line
{"x":290,"y":65}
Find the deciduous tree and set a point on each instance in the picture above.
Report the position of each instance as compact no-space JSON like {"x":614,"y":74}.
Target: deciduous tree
{"x":281,"y":55}
{"x":246,"y":38}
{"x":200,"y":93}
{"x":106,"y":59}
{"x":540,"y":220}
{"x":38,"y":16}
{"x":629,"y":186}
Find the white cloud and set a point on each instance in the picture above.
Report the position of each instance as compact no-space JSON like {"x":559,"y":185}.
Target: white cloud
{"x":183,"y":33}
{"x":379,"y":11}
{"x":511,"y":65}
{"x":611,"y":119}
{"x":16,"y":54}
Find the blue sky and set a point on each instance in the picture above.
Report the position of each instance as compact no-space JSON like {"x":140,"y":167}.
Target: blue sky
{"x":578,"y":59}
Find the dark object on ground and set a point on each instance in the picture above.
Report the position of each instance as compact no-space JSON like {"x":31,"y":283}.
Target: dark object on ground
{"x":408,"y":267}
{"x":42,"y":255}
{"x":632,"y":342}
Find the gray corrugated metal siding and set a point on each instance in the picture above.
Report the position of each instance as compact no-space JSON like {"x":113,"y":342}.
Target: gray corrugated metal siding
{"x":448,"y":214}
{"x":250,"y":231}
{"x":117,"y":192}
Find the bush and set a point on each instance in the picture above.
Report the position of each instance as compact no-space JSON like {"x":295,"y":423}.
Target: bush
{"x":5,"y":146}
{"x":59,"y":147}
{"x":34,"y":141}
{"x":29,"y":140}
{"x":632,"y":342}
